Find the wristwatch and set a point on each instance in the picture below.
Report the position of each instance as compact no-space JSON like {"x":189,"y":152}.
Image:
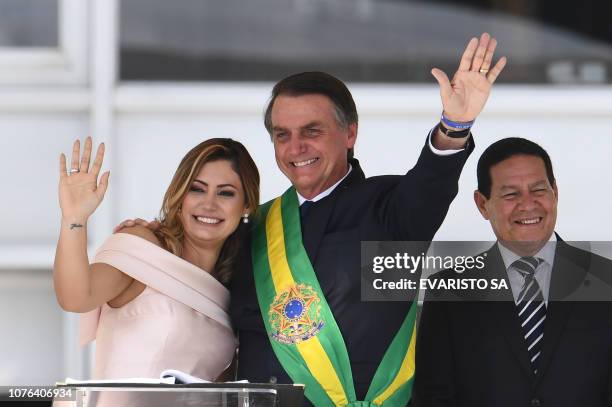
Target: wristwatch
{"x":453,"y":133}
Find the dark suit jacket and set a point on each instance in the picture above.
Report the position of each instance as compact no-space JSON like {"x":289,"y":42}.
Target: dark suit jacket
{"x":472,"y":353}
{"x":408,"y":207}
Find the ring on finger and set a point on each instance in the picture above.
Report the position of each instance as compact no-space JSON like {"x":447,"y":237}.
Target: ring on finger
{"x":483,"y":70}
{"x":74,"y":170}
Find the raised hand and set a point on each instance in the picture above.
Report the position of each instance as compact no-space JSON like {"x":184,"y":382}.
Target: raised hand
{"x":79,"y":190}
{"x":464,"y":97}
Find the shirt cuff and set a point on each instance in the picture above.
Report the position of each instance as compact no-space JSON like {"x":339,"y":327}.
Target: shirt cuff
{"x":440,"y":152}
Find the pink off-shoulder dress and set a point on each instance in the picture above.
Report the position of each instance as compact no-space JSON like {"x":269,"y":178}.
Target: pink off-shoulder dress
{"x":180,"y":321}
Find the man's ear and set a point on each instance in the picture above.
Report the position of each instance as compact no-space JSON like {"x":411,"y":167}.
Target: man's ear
{"x":555,"y":190}
{"x":352,"y":135}
{"x":481,"y":202}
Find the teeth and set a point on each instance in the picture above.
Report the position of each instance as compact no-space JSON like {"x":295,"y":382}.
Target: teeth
{"x":529,"y":221}
{"x":208,"y":220}
{"x":304,"y":163}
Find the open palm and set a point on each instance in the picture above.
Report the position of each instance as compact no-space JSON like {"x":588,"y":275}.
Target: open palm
{"x":79,"y":190}
{"x":464,"y":97}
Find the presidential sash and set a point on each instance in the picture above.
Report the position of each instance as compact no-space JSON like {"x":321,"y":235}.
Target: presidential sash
{"x":301,"y":327}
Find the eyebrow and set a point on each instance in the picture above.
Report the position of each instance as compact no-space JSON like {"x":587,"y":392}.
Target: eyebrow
{"x":514,"y":187}
{"x":218,"y":186}
{"x":314,"y":123}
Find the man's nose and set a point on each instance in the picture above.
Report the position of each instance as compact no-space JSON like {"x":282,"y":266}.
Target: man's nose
{"x":527,"y":201}
{"x":297,"y":145}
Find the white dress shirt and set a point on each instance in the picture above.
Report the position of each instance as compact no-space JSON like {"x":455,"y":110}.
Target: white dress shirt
{"x":542,"y":273}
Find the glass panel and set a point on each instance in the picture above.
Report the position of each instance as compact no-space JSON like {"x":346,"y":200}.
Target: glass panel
{"x":29,"y":23}
{"x":31,"y":344}
{"x":201,"y":395}
{"x":360,"y":40}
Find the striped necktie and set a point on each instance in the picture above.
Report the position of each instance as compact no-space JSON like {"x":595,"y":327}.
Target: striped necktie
{"x":531,"y":308}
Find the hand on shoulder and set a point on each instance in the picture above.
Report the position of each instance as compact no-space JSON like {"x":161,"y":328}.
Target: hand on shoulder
{"x":142,"y":232}
{"x":153,"y":225}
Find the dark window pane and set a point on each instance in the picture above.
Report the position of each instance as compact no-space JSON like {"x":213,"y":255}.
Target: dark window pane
{"x":29,"y":23}
{"x":359,"y":40}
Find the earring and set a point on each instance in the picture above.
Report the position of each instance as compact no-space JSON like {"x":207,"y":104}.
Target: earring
{"x":245,"y":218}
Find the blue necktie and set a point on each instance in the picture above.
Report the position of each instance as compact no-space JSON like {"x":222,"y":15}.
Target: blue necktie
{"x":305,"y":208}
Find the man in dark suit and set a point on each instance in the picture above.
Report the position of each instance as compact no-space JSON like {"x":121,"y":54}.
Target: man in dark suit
{"x":547,"y":339}
{"x":312,"y":120}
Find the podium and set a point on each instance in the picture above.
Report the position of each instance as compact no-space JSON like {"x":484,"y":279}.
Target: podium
{"x":182,"y":395}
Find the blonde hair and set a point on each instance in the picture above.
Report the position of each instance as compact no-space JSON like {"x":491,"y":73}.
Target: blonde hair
{"x":171,"y":232}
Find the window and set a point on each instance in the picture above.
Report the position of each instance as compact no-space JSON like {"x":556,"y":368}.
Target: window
{"x":360,"y":40}
{"x":43,"y":41}
{"x":27,"y":23}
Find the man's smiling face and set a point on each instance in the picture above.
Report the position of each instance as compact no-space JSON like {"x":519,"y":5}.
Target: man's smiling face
{"x":522,"y":208}
{"x":310,"y":145}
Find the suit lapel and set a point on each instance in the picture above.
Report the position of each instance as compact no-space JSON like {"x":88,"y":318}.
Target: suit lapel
{"x":504,"y":314}
{"x":313,"y":226}
{"x":567,"y":275}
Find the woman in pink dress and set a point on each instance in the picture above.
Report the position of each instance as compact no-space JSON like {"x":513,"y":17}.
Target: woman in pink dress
{"x":157,"y":300}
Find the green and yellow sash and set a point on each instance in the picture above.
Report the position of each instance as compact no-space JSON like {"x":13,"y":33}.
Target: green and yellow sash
{"x":301,"y":327}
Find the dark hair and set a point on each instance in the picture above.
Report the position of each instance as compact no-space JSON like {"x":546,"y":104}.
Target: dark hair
{"x":316,"y":83}
{"x":171,"y":232}
{"x":502,"y":150}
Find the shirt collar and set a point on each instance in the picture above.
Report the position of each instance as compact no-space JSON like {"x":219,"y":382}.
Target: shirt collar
{"x":546,"y":253}
{"x":328,"y":191}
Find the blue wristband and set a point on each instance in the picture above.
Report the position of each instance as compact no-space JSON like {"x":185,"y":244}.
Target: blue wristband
{"x":456,"y":125}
